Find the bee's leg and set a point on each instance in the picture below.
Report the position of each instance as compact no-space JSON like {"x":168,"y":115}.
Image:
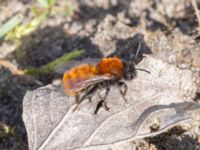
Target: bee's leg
{"x":88,"y":94}
{"x":90,"y":99}
{"x":77,"y":98}
{"x":122,"y":89}
{"x":99,"y":105}
{"x":102,"y":102}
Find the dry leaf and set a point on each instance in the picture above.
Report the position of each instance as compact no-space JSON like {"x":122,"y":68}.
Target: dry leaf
{"x":156,"y":102}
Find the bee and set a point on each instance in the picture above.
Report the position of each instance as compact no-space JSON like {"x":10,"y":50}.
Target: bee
{"x":89,"y":77}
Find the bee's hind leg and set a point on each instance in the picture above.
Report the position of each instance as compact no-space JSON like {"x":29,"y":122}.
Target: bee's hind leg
{"x":77,"y":100}
{"x":88,"y":95}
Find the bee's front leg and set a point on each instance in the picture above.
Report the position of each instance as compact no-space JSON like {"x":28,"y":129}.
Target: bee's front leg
{"x":122,"y":89}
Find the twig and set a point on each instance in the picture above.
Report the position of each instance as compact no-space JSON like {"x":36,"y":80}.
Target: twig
{"x":194,"y":5}
{"x":15,"y":71}
{"x":7,"y":64}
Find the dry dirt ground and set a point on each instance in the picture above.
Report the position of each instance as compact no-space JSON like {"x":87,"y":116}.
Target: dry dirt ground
{"x":168,"y":29}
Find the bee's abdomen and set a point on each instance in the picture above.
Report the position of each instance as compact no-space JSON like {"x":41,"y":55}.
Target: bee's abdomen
{"x":77,"y":74}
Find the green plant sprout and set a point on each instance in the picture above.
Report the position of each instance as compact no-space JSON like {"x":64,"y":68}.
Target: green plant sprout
{"x":46,"y":3}
{"x":50,"y":67}
{"x":25,"y":29}
{"x":10,"y":24}
{"x":5,"y":130}
{"x":14,"y":29}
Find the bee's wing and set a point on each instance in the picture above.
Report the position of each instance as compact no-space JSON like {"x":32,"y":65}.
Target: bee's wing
{"x":62,"y":68}
{"x":84,"y":83}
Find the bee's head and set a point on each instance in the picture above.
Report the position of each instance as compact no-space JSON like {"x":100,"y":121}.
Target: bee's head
{"x":129,"y":70}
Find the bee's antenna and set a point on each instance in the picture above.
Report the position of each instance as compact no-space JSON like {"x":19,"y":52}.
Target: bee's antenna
{"x":133,"y":57}
{"x":143,"y":70}
{"x":137,"y":52}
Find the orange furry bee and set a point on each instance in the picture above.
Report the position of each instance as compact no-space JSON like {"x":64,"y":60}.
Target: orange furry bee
{"x":89,"y":77}
{"x":84,"y":75}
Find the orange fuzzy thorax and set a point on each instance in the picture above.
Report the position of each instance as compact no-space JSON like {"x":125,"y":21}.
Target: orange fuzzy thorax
{"x":112,"y":66}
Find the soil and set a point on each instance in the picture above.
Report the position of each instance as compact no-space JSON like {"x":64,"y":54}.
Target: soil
{"x":167,"y":29}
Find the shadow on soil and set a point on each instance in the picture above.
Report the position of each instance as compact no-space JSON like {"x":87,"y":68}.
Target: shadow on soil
{"x":171,"y":140}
